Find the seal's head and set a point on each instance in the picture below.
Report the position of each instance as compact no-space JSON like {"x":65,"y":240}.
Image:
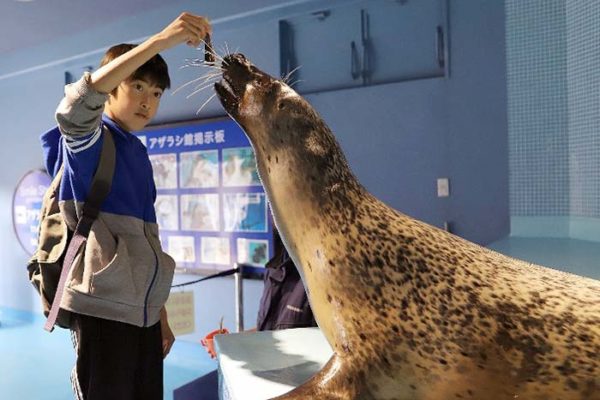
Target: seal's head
{"x":259,"y":102}
{"x":284,"y":129}
{"x":272,"y":114}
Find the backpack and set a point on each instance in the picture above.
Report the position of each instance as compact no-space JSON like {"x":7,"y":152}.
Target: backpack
{"x":58,"y":246}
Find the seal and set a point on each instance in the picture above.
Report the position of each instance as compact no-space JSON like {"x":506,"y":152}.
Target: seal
{"x":410,"y":311}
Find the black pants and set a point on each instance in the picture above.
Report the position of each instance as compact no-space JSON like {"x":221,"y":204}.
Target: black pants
{"x":116,"y":361}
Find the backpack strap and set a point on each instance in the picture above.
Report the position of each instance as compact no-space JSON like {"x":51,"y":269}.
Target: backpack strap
{"x":100,"y":187}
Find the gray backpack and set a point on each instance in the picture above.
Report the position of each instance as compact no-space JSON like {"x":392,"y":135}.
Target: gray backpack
{"x":57,"y":246}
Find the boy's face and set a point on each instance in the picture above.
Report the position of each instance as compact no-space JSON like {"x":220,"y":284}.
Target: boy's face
{"x":133,"y":104}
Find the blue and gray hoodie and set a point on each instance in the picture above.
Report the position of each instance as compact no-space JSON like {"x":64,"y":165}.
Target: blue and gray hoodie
{"x":122,"y":274}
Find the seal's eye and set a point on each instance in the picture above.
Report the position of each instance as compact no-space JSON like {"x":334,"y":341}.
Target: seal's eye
{"x":281,"y":105}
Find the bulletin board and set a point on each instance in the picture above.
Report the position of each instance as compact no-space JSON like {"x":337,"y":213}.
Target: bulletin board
{"x":211,"y":208}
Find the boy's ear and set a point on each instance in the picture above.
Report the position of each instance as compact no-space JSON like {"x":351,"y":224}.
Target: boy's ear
{"x":111,"y":97}
{"x":115,"y":91}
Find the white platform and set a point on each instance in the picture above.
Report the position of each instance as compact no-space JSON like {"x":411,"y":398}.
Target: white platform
{"x":262,"y":365}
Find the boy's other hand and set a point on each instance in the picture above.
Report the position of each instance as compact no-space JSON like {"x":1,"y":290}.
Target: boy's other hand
{"x":187,"y":28}
{"x":166,"y":333}
{"x":167,"y":339}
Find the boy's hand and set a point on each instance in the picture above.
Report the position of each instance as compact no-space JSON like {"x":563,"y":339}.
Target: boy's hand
{"x":187,"y":28}
{"x":167,"y":334}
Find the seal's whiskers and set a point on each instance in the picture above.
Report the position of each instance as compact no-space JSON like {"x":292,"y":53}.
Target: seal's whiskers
{"x":295,"y":82}
{"x":205,"y":103}
{"x":200,"y":89}
{"x":289,"y":74}
{"x":205,"y":84}
{"x":204,"y":78}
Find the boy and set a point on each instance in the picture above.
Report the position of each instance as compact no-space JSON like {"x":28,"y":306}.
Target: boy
{"x":117,"y":289}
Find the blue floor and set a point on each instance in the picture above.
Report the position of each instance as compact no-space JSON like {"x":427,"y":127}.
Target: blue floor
{"x":580,"y":257}
{"x":36,"y":365}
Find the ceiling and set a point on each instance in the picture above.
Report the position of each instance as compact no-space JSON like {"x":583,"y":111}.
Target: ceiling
{"x":27,"y":23}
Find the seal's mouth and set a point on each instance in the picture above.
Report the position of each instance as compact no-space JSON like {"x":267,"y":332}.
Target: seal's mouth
{"x":227,"y":94}
{"x":237,"y":73}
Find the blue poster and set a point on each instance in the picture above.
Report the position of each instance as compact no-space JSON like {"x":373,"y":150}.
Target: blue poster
{"x":211,"y":208}
{"x":27,"y":202}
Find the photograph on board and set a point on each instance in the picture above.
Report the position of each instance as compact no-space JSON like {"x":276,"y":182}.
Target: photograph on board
{"x":244,"y":212}
{"x":199,"y":169}
{"x":239,"y":167}
{"x":252,"y":251}
{"x":215,"y":250}
{"x":166,"y":207}
{"x":182,"y":249}
{"x":200,"y":212}
{"x":164,"y":168}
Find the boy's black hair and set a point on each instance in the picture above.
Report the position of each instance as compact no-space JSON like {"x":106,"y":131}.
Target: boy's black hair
{"x":154,"y":71}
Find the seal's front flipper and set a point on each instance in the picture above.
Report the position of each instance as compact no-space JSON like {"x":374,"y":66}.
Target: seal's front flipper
{"x":337,"y":380}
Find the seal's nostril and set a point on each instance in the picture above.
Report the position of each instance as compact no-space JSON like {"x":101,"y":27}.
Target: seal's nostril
{"x":234,"y":59}
{"x":227,"y":61}
{"x":240,"y":58}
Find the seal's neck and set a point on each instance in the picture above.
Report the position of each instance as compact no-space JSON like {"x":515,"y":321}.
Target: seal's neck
{"x":304,"y":189}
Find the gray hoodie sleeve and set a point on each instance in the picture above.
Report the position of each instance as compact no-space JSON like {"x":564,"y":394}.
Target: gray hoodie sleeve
{"x":80,"y":111}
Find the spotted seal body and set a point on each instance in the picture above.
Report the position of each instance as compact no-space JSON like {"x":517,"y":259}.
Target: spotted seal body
{"x":411,"y":311}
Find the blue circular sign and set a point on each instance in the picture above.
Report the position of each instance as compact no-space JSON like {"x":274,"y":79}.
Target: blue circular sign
{"x":27,"y":202}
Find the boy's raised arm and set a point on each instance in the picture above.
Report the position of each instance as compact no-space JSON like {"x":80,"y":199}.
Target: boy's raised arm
{"x":80,"y":111}
{"x":187,"y":28}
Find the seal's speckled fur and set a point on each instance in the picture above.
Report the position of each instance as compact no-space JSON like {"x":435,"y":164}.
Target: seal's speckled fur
{"x":411,"y":311}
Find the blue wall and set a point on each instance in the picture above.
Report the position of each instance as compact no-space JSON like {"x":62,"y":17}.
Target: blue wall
{"x":399,"y":138}
{"x":583,"y":83}
{"x":537,"y":107}
{"x":553,"y":105}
